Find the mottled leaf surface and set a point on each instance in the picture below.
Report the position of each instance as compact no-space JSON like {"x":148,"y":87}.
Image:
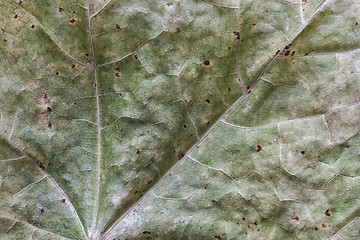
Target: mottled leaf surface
{"x":212,"y":119}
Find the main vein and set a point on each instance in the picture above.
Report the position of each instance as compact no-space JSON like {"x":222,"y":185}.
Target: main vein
{"x":98,"y":122}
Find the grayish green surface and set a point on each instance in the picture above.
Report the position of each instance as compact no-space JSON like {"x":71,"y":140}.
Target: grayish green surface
{"x":179,"y":120}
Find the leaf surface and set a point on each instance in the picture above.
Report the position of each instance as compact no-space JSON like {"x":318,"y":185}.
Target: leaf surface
{"x":179,"y":120}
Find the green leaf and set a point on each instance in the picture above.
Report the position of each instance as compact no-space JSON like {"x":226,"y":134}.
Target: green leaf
{"x":190,"y":119}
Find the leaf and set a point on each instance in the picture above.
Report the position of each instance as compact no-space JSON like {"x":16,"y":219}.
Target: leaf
{"x":179,"y":120}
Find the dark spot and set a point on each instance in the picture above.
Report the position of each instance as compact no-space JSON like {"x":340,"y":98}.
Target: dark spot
{"x":49,"y":125}
{"x":316,"y":228}
{"x":218,"y":236}
{"x":57,"y":73}
{"x":294,"y":218}
{"x":138,"y":151}
{"x":293,"y":53}
{"x":323,"y":225}
{"x":61,"y":9}
{"x":72,"y":20}
{"x":327,"y":213}
{"x":62,"y":200}
{"x":356,"y":23}
{"x":32,"y":26}
{"x":42,"y":166}
{"x":258,"y":148}
{"x":236,"y":34}
{"x":117,"y":74}
{"x":181,"y":156}
{"x":302,"y":152}
{"x":208,"y":122}
{"x":136,"y":192}
{"x":254,"y":24}
{"x":277,"y":52}
{"x":229,"y":48}
{"x":20,"y":2}
{"x":255,"y":223}
{"x":206,"y":62}
{"x":42,"y":210}
{"x":207,"y":101}
{"x":306,"y":54}
{"x":213,"y":201}
{"x":136,"y":56}
{"x":146,"y":232}
{"x":169,"y":4}
{"x":49,"y":109}
{"x":45,"y":96}
{"x":258,"y":230}
{"x":16,"y":16}
{"x":178,"y":29}
{"x":117,"y":26}
{"x":247,"y":88}
{"x":5,"y":40}
{"x":184,"y":126}
{"x":149,"y":181}
{"x":287,"y":46}
{"x":229,"y":89}
{"x":243,"y":219}
{"x":86,"y":54}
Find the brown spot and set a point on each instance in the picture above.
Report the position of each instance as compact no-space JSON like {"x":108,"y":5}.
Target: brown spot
{"x":258,"y":148}
{"x":348,"y":189}
{"x":20,"y":2}
{"x":58,"y":73}
{"x":16,"y":16}
{"x":117,"y":74}
{"x":61,"y":9}
{"x":236,"y":34}
{"x":327,"y":213}
{"x":49,"y":109}
{"x":74,"y":20}
{"x":4,"y":39}
{"x":146,"y":232}
{"x":206,"y":63}
{"x":178,"y":30}
{"x":62,"y":200}
{"x":323,"y":225}
{"x":293,"y":53}
{"x":207,"y":101}
{"x":41,"y":165}
{"x":42,"y":210}
{"x":247,"y":88}
{"x":316,"y":228}
{"x":136,"y":56}
{"x":302,"y":152}
{"x":243,"y":219}
{"x":254,"y":24}
{"x":33,"y":26}
{"x":296,"y":218}
{"x":181,"y":156}
{"x":117,"y":26}
{"x":218,"y":236}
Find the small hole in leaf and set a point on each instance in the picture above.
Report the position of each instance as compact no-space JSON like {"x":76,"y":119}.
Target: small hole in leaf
{"x":16,"y":16}
{"x":316,"y":228}
{"x":243,"y":219}
{"x":184,"y":126}
{"x":138,"y":151}
{"x":49,"y":125}
{"x":206,"y":63}
{"x":58,"y":73}
{"x":255,"y":223}
{"x":32,"y":26}
{"x":207,"y":101}
{"x":73,"y":66}
{"x":302,"y":152}
{"x":49,"y":109}
{"x":117,"y":26}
